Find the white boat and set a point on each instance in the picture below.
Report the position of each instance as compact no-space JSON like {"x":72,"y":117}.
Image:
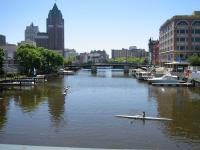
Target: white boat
{"x":167,"y":78}
{"x":66,"y":72}
{"x":143,"y":75}
{"x":143,"y":118}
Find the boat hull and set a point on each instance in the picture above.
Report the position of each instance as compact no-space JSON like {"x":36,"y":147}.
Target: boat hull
{"x":143,"y":118}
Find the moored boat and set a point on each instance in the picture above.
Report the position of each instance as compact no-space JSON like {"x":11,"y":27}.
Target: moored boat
{"x":167,"y":78}
{"x":143,"y":75}
{"x":66,"y":72}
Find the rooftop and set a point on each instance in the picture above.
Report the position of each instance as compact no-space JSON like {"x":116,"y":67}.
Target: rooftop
{"x":194,"y":15}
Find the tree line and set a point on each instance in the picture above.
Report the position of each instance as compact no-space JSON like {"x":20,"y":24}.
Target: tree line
{"x":37,"y":59}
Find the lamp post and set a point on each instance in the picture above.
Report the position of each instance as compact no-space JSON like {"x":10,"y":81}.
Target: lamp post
{"x":126,"y":56}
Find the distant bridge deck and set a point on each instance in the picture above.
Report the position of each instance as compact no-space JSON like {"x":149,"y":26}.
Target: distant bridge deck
{"x":114,"y":65}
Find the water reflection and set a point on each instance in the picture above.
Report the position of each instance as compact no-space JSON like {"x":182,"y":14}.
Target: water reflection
{"x":3,"y":112}
{"x":109,"y":73}
{"x":30,"y":99}
{"x":183,"y":106}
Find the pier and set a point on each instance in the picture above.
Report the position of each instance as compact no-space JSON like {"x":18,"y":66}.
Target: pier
{"x":25,"y":81}
{"x":173,"y":84}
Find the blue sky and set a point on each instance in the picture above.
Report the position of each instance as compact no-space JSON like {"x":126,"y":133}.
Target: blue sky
{"x":95,"y":24}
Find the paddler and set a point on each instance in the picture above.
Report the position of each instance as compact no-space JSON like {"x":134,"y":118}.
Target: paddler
{"x":143,"y":114}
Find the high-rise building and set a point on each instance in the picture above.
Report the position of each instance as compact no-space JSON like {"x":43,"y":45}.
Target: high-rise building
{"x":2,"y":40}
{"x":55,"y":29}
{"x":179,"y":38}
{"x":31,"y":32}
{"x":42,"y":40}
{"x":53,"y":39}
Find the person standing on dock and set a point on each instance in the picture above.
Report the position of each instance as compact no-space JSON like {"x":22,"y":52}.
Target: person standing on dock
{"x":144,"y":114}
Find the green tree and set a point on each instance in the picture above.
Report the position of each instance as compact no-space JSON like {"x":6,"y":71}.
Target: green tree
{"x":1,"y":60}
{"x":69,"y":60}
{"x":29,"y":58}
{"x":43,"y":60}
{"x":194,"y":60}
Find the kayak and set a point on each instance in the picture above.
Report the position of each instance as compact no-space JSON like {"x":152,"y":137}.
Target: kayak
{"x":143,"y":118}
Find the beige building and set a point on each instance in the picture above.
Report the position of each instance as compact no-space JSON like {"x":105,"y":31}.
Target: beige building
{"x":10,"y":50}
{"x":133,"y":51}
{"x":31,"y":32}
{"x":179,"y":38}
{"x":10,"y":65}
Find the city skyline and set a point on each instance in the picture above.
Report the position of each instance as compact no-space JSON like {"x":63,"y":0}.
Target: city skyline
{"x":98,"y":24}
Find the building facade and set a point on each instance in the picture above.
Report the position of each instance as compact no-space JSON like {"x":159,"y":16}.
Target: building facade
{"x":83,"y":58}
{"x":55,"y":29}
{"x":2,"y":40}
{"x":29,"y":42}
{"x":53,"y":38}
{"x":31,"y":32}
{"x":70,"y":53}
{"x":151,"y":45}
{"x":42,"y":40}
{"x":179,"y":38}
{"x":10,"y":64}
{"x":133,"y":51}
{"x":98,"y":56}
{"x":155,"y":54}
{"x":9,"y":50}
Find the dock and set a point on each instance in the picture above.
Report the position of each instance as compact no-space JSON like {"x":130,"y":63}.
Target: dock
{"x":173,"y":84}
{"x":25,"y":81}
{"x":196,"y":82}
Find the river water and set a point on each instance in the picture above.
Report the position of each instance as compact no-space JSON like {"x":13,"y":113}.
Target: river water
{"x":85,"y":117}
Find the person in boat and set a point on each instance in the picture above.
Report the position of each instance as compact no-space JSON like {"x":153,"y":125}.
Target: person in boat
{"x":144,"y":114}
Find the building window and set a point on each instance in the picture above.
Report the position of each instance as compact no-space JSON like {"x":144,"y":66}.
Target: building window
{"x":182,"y":31}
{"x":193,"y":39}
{"x":197,"y":31}
{"x":196,"y":23}
{"x":193,"y":47}
{"x":197,"y":48}
{"x":197,"y":39}
{"x":182,"y":40}
{"x":193,"y":31}
{"x":182,"y":23}
{"x":182,"y":47}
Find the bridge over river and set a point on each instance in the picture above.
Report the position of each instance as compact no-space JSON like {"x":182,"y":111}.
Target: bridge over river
{"x":94,"y":67}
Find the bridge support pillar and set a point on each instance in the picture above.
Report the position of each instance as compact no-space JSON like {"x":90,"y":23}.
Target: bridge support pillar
{"x":93,"y":69}
{"x":126,"y":69}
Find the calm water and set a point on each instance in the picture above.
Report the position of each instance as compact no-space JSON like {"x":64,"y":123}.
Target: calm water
{"x":41,"y":115}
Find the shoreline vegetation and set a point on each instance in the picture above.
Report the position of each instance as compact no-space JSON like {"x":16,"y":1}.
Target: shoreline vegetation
{"x":37,"y":60}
